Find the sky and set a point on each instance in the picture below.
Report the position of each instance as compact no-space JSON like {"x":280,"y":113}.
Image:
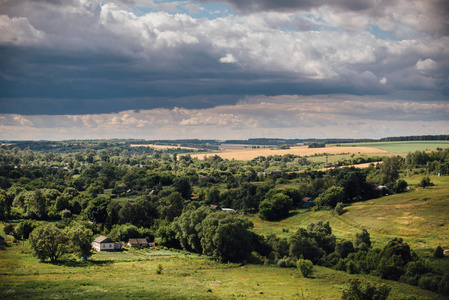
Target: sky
{"x":223,"y":69}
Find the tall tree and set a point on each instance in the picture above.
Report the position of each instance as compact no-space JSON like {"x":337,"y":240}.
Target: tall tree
{"x":48,"y":242}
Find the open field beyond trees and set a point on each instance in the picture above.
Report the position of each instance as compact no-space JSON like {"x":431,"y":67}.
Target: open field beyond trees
{"x":249,"y":154}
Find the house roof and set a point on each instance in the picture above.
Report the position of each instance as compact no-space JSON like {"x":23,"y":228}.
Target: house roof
{"x":103,"y":239}
{"x":137,"y":241}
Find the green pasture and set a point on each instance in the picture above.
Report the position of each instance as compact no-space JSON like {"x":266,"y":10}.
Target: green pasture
{"x":184,"y":276}
{"x":405,"y":146}
{"x":419,"y":216}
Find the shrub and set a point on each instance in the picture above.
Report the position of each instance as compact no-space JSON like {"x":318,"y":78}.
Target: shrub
{"x":443,"y":286}
{"x":425,"y":182}
{"x":286,"y":262}
{"x":340,"y":208}
{"x":305,"y":266}
{"x":351,"y":268}
{"x":439,"y":252}
{"x":159,"y":269}
{"x":358,"y":291}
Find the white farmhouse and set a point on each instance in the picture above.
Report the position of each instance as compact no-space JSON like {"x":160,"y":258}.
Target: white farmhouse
{"x":103,"y":243}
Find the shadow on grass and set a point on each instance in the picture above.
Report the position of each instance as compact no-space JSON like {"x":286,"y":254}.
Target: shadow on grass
{"x":80,"y":264}
{"x":293,"y":213}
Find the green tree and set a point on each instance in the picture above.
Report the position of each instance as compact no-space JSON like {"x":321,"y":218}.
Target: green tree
{"x":80,"y":239}
{"x":362,"y":240}
{"x":305,"y":266}
{"x":96,"y":210}
{"x":188,"y":225}
{"x":226,"y":237}
{"x":344,"y":248}
{"x":24,"y":229}
{"x":171,"y":206}
{"x":359,"y":291}
{"x":182,"y":186}
{"x":275,"y":207}
{"x":48,"y":242}
{"x":393,"y":258}
{"x":331,"y":196}
{"x":390,"y":169}
{"x":303,"y":246}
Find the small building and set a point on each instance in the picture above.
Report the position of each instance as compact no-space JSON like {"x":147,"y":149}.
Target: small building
{"x":103,"y":243}
{"x":277,"y":173}
{"x":138,"y":243}
{"x":308,"y":202}
{"x":228,"y":209}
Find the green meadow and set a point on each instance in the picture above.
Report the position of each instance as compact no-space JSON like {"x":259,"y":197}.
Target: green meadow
{"x":132,"y":274}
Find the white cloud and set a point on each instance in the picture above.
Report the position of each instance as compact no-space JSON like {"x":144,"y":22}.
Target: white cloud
{"x":280,"y":116}
{"x":228,"y":59}
{"x":427,"y":64}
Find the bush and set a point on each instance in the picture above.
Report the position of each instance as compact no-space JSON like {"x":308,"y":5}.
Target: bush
{"x":439,"y":252}
{"x":351,"y":268}
{"x":305,"y":266}
{"x":425,"y":182}
{"x":159,"y":269}
{"x":358,"y":291}
{"x":340,"y":208}
{"x":286,"y":262}
{"x":443,"y":286}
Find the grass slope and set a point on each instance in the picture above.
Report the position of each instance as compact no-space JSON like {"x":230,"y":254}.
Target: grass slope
{"x":419,"y":216}
{"x":184,"y":276}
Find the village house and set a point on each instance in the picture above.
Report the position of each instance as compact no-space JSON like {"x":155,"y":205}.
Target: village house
{"x":308,"y":202}
{"x":138,"y":243}
{"x":103,"y":243}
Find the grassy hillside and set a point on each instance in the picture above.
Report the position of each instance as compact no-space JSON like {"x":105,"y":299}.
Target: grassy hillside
{"x":185,"y":276}
{"x":419,"y":216}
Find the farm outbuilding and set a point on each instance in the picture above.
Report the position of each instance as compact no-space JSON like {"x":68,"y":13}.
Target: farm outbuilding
{"x":138,"y":243}
{"x":308,"y":202}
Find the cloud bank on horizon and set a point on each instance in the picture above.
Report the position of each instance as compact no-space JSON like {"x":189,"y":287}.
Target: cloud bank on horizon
{"x":223,"y":69}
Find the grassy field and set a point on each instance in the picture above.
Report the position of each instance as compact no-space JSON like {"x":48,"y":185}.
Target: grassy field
{"x":249,"y":154}
{"x":406,"y":146}
{"x":342,"y":151}
{"x":419,"y":216}
{"x":161,"y":147}
{"x":184,"y":276}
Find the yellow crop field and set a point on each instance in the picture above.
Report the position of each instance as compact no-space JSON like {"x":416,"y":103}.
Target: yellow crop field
{"x":249,"y":154}
{"x":160,"y":146}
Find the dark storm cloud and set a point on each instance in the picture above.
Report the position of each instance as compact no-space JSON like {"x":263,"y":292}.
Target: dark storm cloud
{"x":83,"y":57}
{"x":250,"y":6}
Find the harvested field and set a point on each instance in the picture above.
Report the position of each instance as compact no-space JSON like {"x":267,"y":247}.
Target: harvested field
{"x":160,"y":146}
{"x":249,"y":154}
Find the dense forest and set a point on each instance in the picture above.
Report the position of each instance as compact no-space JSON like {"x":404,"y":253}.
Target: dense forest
{"x":87,"y":188}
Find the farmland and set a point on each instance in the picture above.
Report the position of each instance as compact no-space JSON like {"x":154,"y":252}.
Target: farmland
{"x":335,"y":151}
{"x":249,"y":154}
